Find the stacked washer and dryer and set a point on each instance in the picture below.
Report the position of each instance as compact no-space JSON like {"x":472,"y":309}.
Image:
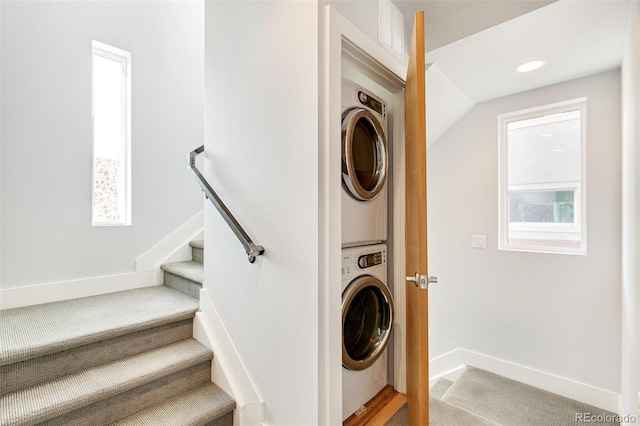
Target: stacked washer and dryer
{"x":367,"y":304}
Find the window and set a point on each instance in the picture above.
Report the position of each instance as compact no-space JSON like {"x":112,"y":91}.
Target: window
{"x":542,"y":198}
{"x":111,"y":195}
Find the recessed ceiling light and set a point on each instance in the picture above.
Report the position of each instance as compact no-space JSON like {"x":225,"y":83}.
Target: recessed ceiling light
{"x":530,"y":66}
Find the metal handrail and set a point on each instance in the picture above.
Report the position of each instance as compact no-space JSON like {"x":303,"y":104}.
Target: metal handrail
{"x":251,"y":249}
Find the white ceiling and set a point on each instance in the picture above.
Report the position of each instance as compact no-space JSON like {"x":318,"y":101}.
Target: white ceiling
{"x":576,"y":38}
{"x":447,"y":21}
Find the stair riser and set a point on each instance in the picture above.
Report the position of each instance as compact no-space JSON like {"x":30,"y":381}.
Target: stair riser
{"x":37,"y":370}
{"x":183,"y":285}
{"x":140,"y":398}
{"x":197,"y":254}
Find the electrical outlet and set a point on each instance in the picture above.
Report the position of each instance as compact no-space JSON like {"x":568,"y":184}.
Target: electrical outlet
{"x":479,"y":241}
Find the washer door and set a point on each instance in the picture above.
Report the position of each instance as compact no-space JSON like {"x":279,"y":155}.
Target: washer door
{"x":364,"y":154}
{"x":367,"y":318}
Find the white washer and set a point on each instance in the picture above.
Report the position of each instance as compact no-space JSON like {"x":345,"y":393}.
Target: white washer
{"x":367,"y":319}
{"x":364,"y":166}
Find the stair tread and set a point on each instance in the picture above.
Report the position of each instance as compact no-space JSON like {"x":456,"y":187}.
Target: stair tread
{"x":38,"y":330}
{"x":440,"y":388}
{"x":65,"y":394}
{"x":442,"y":413}
{"x":197,"y":244}
{"x":199,"y":406}
{"x":190,"y":270}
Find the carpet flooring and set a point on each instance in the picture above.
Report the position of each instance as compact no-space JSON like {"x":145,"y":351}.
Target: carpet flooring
{"x":441,"y":414}
{"x":480,"y":398}
{"x":183,"y":410}
{"x":440,"y":388}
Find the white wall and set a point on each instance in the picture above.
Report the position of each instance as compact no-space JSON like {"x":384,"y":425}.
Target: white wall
{"x":46,"y":132}
{"x":631,"y":216}
{"x":261,"y":156}
{"x":362,"y":14}
{"x":555,"y":313}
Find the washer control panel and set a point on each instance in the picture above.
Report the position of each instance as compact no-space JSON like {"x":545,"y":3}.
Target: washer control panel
{"x":369,"y":260}
{"x":363,"y":260}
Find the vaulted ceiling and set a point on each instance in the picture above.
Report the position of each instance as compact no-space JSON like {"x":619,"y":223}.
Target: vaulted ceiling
{"x":473,"y":48}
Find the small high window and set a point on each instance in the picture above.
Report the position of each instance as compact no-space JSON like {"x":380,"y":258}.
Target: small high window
{"x":111,"y":200}
{"x":542,"y":197}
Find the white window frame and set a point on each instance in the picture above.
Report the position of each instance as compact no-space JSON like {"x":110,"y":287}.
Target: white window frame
{"x":579,"y":188}
{"x":123,"y":57}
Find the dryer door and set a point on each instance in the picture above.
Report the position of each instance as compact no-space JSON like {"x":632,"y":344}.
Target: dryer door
{"x":367,"y":318}
{"x":364,"y":154}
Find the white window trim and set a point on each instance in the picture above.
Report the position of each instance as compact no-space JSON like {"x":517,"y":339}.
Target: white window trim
{"x":580,"y":189}
{"x":124,"y":57}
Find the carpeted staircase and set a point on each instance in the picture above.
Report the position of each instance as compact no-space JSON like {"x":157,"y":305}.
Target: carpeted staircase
{"x":125,"y":358}
{"x":481,"y":398}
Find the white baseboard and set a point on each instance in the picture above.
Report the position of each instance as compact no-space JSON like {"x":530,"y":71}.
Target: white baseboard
{"x":17,"y":297}
{"x":228,"y":370}
{"x":173,"y":248}
{"x":445,"y":365}
{"x":459,"y":358}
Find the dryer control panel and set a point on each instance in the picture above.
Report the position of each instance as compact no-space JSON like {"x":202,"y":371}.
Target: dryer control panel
{"x":354,"y":95}
{"x":371,"y":102}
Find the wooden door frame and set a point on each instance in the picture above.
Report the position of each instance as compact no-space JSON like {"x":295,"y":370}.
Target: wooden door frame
{"x":338,"y":37}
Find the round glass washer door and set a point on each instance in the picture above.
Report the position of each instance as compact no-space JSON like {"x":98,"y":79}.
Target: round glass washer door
{"x":367,"y":318}
{"x":364,"y":154}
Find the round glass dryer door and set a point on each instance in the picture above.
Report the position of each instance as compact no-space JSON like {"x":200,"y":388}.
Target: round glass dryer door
{"x":364,"y":154}
{"x":367,"y":318}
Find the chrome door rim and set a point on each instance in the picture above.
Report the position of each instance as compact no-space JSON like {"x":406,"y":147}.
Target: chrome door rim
{"x":348,"y":296}
{"x":349,"y":120}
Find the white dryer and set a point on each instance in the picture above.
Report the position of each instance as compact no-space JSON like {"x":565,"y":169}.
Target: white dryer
{"x":367,"y":319}
{"x":364,"y":166}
